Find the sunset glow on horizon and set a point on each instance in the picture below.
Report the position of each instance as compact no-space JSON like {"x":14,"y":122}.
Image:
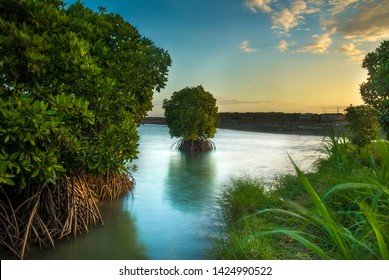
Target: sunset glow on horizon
{"x":262,"y":55}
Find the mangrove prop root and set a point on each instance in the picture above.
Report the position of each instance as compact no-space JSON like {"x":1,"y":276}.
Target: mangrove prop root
{"x":40,"y":215}
{"x":199,"y":145}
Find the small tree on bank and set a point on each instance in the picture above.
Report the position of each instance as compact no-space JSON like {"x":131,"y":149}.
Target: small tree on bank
{"x":363,"y":124}
{"x":191,"y":115}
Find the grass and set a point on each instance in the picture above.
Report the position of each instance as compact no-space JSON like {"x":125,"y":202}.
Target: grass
{"x":339,"y":212}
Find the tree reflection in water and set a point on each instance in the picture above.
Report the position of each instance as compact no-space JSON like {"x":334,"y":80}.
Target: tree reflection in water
{"x":189,"y":184}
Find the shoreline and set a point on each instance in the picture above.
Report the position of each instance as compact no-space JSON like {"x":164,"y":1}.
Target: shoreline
{"x":278,"y":127}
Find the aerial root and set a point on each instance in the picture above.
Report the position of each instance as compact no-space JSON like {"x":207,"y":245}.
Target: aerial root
{"x":40,"y":215}
{"x":198,"y":145}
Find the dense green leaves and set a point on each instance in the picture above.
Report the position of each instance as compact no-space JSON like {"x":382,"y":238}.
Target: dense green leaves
{"x":40,"y":137}
{"x":375,"y":92}
{"x":75,"y":84}
{"x":191,"y":113}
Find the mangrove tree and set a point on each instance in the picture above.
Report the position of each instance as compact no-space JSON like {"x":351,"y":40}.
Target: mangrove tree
{"x":75,"y":84}
{"x":191,"y":115}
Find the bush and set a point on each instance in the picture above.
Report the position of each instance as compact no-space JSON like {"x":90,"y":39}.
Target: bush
{"x":363,"y":124}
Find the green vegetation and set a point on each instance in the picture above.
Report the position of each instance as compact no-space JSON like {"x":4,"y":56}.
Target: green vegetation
{"x":75,"y":84}
{"x":339,"y":212}
{"x":191,"y":114}
{"x":375,"y":92}
{"x":363,"y":124}
{"x":311,"y":124}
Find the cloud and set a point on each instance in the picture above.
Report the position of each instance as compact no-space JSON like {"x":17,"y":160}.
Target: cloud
{"x":223,"y":101}
{"x":283,"y":46}
{"x":315,"y":2}
{"x":284,"y":20}
{"x":370,"y":22}
{"x":293,"y":16}
{"x":255,"y":5}
{"x":339,"y":6}
{"x":244,"y":47}
{"x":354,"y":21}
{"x":320,"y":43}
{"x":352,"y":52}
{"x":298,"y":7}
{"x":301,"y":7}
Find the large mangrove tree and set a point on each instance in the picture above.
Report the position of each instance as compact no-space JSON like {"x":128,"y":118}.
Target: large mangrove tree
{"x":75,"y":84}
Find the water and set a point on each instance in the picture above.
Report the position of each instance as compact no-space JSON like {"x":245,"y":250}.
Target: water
{"x":172,"y":214}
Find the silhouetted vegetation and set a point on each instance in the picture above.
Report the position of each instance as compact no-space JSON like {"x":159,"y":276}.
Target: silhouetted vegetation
{"x":295,"y":123}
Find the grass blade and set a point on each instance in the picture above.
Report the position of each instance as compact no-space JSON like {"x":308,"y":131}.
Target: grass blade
{"x":297,"y":235}
{"x":380,"y":239}
{"x":355,"y":186}
{"x":329,"y":222}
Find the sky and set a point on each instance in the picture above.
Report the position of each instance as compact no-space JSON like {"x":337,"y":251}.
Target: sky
{"x":293,"y":56}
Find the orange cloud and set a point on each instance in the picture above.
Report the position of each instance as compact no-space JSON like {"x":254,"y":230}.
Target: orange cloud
{"x":320,"y":43}
{"x":255,"y":5}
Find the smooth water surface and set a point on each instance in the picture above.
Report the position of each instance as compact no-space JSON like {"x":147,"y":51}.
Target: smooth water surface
{"x":172,"y":214}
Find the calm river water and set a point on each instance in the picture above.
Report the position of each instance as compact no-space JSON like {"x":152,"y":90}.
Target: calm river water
{"x":172,"y":214}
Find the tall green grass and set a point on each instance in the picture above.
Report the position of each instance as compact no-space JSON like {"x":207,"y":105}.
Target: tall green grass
{"x":339,"y":212}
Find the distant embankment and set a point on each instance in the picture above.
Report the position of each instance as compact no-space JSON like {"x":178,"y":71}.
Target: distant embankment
{"x":293,"y":123}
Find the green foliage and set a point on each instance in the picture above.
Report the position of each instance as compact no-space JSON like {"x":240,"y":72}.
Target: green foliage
{"x":363,"y":124}
{"x":243,"y":197}
{"x":75,"y":86}
{"x":38,"y":138}
{"x":191,"y":113}
{"x":335,"y":213}
{"x":375,"y":92}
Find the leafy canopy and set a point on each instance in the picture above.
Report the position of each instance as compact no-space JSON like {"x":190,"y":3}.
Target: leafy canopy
{"x":191,"y":114}
{"x":375,"y":92}
{"x":376,"y":89}
{"x":75,"y":84}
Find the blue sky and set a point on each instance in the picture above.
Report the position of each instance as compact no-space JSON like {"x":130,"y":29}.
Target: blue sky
{"x":262,"y":55}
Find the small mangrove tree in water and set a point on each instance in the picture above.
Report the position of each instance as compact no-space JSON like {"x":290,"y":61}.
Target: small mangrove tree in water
{"x":75,"y":85}
{"x":192,"y":115}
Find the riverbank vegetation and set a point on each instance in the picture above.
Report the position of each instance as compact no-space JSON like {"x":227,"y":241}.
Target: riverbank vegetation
{"x":341,"y":211}
{"x":75,"y":85}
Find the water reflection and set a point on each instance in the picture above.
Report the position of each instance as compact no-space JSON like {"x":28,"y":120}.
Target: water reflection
{"x":116,"y":240}
{"x":190,"y":183}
